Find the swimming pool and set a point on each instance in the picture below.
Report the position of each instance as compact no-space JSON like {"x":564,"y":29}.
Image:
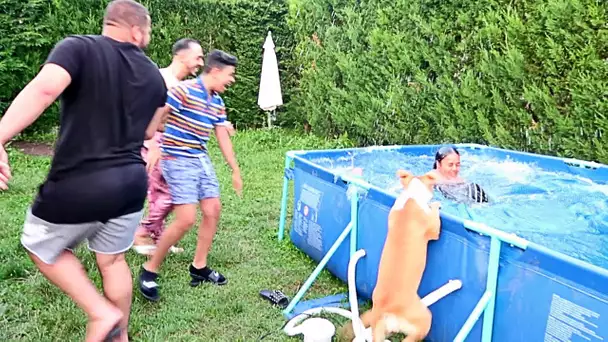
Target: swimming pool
{"x":552,"y":286}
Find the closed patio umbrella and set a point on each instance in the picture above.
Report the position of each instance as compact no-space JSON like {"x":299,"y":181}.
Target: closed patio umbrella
{"x":270,"y":97}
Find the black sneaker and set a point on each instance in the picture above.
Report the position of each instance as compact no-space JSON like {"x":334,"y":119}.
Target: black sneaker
{"x":206,"y":275}
{"x":148,"y":286}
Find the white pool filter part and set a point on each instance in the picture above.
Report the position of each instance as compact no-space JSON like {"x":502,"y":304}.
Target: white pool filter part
{"x":317,"y":329}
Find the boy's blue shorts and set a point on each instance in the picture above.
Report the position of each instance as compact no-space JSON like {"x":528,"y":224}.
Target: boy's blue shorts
{"x":190,"y":179}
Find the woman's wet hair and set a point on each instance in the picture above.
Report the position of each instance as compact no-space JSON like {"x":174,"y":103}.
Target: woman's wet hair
{"x":444,"y":152}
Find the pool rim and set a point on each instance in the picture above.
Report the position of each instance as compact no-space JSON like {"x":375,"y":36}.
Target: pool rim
{"x":596,"y":272}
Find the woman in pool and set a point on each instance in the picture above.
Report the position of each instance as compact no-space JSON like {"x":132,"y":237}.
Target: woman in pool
{"x":447,"y":165}
{"x":447,"y":169}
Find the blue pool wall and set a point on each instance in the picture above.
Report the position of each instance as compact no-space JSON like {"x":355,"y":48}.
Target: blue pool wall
{"x":542,"y":295}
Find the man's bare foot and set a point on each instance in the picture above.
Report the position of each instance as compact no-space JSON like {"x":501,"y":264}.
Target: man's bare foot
{"x":106,"y":328}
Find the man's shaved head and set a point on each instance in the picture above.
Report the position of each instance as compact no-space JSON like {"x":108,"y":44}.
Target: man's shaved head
{"x":128,"y":21}
{"x":127,"y":13}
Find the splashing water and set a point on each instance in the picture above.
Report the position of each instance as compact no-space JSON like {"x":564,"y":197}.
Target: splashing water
{"x":558,"y":210}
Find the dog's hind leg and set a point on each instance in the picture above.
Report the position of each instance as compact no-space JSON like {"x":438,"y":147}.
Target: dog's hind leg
{"x":379,"y":330}
{"x":368,"y":318}
{"x":418,"y":326}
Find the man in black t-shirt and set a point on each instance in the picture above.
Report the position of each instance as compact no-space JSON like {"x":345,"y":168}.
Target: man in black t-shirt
{"x":112,"y":97}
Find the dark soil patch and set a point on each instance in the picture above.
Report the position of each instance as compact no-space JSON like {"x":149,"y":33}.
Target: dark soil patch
{"x":34,"y":148}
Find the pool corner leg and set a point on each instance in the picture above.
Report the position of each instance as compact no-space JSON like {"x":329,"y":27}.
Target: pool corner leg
{"x":491,"y":285}
{"x":286,"y":177}
{"x":354,"y":215}
{"x":487,"y":302}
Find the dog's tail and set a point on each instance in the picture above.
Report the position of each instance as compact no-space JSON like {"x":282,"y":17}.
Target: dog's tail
{"x":416,"y":327}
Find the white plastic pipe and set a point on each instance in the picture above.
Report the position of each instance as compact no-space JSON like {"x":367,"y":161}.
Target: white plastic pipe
{"x":311,"y":327}
{"x":441,"y":292}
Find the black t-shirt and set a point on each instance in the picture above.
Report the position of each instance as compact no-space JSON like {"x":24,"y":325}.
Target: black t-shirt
{"x":97,"y":172}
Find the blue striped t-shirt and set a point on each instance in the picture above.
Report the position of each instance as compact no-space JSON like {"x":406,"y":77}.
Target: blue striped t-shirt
{"x":194,"y":114}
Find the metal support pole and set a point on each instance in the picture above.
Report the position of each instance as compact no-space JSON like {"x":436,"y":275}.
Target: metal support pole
{"x":473,"y":317}
{"x":491,"y":285}
{"x":283,"y":217}
{"x":487,"y":303}
{"x":354,"y":218}
{"x":313,"y":276}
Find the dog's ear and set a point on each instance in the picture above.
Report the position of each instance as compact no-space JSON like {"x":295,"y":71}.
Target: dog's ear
{"x":431,"y":175}
{"x":405,"y":177}
{"x":430,"y":178}
{"x":403,"y":174}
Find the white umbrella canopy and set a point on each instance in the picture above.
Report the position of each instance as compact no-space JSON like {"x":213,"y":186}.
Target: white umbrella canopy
{"x":269,"y":96}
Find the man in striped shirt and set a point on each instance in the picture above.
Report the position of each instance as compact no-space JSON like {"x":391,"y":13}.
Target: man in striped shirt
{"x":196,"y":109}
{"x":187,"y":59}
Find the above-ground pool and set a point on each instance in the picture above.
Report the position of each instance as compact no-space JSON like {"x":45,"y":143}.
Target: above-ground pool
{"x":552,"y":285}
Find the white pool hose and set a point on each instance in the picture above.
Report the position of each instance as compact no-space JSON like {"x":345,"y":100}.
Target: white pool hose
{"x":358,"y":327}
{"x":321,"y":330}
{"x":317,"y":329}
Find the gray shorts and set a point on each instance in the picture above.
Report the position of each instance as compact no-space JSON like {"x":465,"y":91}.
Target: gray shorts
{"x":48,"y":240}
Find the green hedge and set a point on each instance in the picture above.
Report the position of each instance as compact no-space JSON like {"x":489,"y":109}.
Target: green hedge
{"x":30,"y":28}
{"x":528,"y":74}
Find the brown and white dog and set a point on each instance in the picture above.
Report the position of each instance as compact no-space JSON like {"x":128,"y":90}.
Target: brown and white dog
{"x":412,"y":223}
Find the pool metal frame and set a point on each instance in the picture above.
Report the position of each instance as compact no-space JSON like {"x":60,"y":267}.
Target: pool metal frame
{"x":356,"y":186}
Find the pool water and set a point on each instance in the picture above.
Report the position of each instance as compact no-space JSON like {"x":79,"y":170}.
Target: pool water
{"x":561,"y":211}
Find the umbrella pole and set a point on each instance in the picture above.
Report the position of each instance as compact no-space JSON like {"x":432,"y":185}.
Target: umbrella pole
{"x":269,"y":116}
{"x":269,"y":120}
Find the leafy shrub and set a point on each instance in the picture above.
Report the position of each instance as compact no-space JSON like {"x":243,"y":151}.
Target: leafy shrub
{"x":525,"y":74}
{"x":30,"y":29}
{"x":529,"y":74}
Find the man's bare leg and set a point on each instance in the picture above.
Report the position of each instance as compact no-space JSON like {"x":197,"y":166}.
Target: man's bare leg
{"x":68,"y":275}
{"x":117,"y":285}
{"x":211,"y":208}
{"x":199,"y":271}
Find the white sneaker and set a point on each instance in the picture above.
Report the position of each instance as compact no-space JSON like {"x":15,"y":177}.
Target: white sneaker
{"x":144,"y":249}
{"x":174,"y":249}
{"x":149,"y":249}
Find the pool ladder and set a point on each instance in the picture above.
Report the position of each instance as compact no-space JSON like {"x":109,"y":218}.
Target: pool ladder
{"x":486,"y":303}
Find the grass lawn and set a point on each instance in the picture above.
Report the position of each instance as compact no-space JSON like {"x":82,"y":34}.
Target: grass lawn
{"x":245,"y":250}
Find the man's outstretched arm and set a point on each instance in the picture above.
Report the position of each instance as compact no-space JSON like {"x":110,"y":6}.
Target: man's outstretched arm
{"x":223,"y":140}
{"x":61,"y":66}
{"x":33,"y":100}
